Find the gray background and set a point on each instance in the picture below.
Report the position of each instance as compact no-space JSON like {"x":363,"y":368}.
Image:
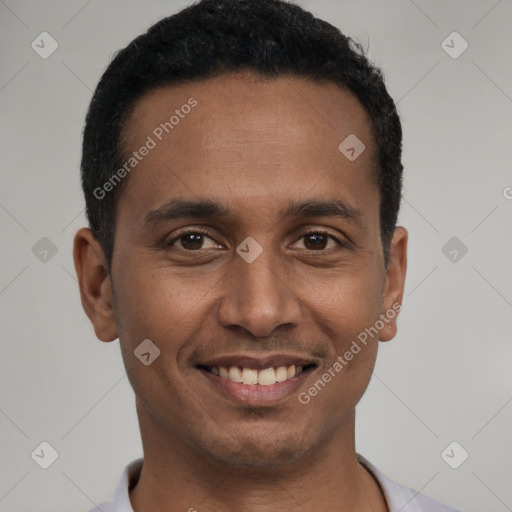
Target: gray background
{"x":446,"y":377}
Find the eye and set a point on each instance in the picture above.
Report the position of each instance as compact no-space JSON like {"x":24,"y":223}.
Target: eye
{"x":319,"y":241}
{"x":193,"y":240}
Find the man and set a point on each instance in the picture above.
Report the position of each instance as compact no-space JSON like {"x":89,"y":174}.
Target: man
{"x":242,"y":174}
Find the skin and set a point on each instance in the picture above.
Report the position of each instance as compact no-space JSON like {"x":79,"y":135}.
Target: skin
{"x":253,"y":145}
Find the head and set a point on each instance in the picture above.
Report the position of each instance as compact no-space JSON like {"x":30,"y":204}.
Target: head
{"x":212,"y":38}
{"x":247,"y":232}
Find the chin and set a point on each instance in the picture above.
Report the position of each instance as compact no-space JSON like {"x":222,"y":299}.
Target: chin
{"x":257,"y":454}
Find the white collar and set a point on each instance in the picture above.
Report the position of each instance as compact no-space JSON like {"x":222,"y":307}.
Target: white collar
{"x":398,"y":497}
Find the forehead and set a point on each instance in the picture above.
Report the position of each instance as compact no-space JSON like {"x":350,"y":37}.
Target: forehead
{"x":245,"y":96}
{"x":248,"y":138}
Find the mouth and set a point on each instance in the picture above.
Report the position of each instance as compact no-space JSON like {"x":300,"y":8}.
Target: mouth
{"x":255,"y":377}
{"x":257,"y":381}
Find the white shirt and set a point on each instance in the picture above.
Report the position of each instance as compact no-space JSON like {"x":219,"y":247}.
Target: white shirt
{"x":398,"y":497}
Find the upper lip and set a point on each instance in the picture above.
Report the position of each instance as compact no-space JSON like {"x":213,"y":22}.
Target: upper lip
{"x":257,"y":362}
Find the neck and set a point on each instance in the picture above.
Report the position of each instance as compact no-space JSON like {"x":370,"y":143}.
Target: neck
{"x":176,"y":476}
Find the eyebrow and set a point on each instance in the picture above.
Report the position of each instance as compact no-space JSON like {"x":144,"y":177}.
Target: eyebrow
{"x":319,"y":208}
{"x":176,"y":209}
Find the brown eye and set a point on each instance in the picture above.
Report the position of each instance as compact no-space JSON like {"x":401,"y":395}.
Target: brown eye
{"x":192,"y":241}
{"x":317,"y":241}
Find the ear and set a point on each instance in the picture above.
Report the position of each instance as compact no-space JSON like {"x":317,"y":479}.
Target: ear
{"x":394,"y":284}
{"x":95,"y":284}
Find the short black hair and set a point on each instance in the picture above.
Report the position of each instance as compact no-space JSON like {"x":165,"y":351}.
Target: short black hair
{"x":209,"y":38}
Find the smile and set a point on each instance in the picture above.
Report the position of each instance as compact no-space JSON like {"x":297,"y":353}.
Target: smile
{"x":256,"y":382}
{"x":250,"y":376}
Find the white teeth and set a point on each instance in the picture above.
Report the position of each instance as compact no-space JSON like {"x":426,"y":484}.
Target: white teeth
{"x":249,"y":376}
{"x":235,"y":374}
{"x":281,"y":374}
{"x":265,"y":377}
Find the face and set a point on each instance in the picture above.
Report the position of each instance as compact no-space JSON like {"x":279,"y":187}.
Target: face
{"x":248,"y":248}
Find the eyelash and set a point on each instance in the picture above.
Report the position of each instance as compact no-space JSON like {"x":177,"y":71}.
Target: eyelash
{"x":187,"y":231}
{"x":197,"y":231}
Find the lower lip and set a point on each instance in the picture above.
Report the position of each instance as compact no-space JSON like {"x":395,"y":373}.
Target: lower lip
{"x":256,"y":394}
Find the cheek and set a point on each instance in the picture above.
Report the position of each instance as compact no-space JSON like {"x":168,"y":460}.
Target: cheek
{"x":154,"y":302}
{"x":347,"y":318}
{"x":151,"y":305}
{"x":156,"y":305}
{"x":347,"y":300}
{"x":346,"y":307}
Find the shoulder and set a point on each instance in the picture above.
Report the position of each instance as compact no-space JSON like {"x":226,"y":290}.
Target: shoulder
{"x":121,"y":500}
{"x":402,"y":498}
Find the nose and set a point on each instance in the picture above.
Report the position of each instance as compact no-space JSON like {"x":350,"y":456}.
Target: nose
{"x":257,"y":298}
